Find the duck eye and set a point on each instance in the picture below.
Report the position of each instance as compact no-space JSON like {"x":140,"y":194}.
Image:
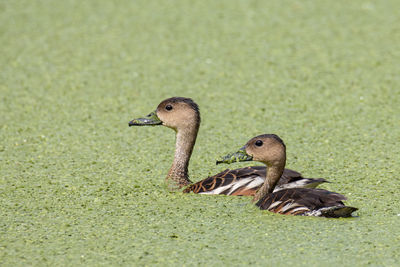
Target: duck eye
{"x":259,"y":143}
{"x":168,"y":107}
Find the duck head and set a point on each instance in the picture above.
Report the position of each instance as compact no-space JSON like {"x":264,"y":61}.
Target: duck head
{"x":177,"y":113}
{"x":266,"y":148}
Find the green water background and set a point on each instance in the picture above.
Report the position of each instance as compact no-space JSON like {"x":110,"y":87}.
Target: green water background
{"x":78,"y":187}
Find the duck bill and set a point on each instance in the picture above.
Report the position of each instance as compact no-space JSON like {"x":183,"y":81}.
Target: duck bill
{"x":238,"y":156}
{"x":150,"y":120}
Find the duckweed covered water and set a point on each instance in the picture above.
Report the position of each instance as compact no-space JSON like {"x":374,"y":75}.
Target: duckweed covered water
{"x":78,"y":187}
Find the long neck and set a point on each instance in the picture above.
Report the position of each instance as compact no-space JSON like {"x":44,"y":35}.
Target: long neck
{"x":178,"y":173}
{"x":274,"y":173}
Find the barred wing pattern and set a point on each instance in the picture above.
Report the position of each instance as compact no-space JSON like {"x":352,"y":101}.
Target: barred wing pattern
{"x":306,"y":202}
{"x":246,"y":181}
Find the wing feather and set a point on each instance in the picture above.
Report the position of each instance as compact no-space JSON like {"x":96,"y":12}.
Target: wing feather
{"x":299,"y":201}
{"x":246,"y":181}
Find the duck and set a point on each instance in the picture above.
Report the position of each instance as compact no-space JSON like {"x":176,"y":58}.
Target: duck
{"x":183,"y":116}
{"x":271,"y":150}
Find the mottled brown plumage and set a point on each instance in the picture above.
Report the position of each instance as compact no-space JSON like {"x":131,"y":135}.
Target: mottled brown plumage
{"x":305,"y":201}
{"x":250,"y":179}
{"x":271,"y":150}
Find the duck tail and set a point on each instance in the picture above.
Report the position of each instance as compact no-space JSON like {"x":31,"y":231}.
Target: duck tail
{"x":337,"y":211}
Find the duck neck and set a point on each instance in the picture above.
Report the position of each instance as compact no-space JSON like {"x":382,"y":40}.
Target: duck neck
{"x":274,"y":173}
{"x":178,"y":176}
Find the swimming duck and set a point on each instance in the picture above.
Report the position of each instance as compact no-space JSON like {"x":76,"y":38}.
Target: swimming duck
{"x":183,"y":116}
{"x":270,"y":150}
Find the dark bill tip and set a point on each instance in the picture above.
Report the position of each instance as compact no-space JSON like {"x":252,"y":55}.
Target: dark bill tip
{"x":132,"y":123}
